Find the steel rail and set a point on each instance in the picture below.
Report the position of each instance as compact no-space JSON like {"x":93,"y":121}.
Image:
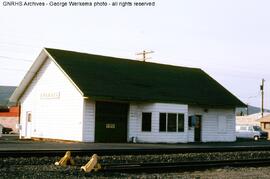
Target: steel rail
{"x":117,"y":151}
{"x":188,"y":165}
{"x":161,"y":167}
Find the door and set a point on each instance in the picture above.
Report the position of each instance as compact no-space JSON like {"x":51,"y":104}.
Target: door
{"x":111,"y":122}
{"x":198,"y":127}
{"x":28,"y":124}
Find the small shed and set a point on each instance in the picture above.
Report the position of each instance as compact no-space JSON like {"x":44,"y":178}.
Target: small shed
{"x":252,"y":119}
{"x":265,"y":123}
{"x":92,"y":98}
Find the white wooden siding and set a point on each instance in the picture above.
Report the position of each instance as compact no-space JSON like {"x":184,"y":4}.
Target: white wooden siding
{"x":135,"y":121}
{"x":89,"y":121}
{"x":217,"y":124}
{"x":191,"y":134}
{"x":57,"y":118}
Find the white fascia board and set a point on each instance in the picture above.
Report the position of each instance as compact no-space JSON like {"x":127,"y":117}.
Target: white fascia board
{"x":63,"y":71}
{"x":28,"y":77}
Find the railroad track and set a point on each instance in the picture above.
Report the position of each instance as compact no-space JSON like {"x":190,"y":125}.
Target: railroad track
{"x":152,"y":167}
{"x":188,"y":165}
{"x":109,"y":152}
{"x":161,"y":167}
{"x":148,"y":166}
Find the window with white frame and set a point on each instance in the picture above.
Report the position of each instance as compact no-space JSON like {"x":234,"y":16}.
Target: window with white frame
{"x":171,"y":122}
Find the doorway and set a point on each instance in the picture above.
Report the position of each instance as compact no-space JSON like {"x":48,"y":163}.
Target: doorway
{"x":28,"y":124}
{"x":111,"y":122}
{"x":198,"y":128}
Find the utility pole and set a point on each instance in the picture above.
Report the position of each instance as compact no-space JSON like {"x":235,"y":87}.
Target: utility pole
{"x":144,"y":53}
{"x":262,"y":91}
{"x":247,"y":109}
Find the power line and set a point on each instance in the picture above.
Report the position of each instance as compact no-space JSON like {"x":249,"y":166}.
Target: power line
{"x":57,"y":43}
{"x":253,"y":96}
{"x":250,"y":97}
{"x":239,"y":75}
{"x":13,"y":58}
{"x":5,"y":44}
{"x":211,"y":65}
{"x":13,"y":69}
{"x":224,"y":73}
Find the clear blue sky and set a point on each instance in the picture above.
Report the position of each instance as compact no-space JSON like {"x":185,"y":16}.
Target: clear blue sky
{"x":229,"y":39}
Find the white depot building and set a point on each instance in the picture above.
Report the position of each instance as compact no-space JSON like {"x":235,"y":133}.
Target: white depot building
{"x":90,"y":98}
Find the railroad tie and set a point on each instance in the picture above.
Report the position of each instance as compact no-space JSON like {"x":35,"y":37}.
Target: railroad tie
{"x":66,"y":160}
{"x":92,"y":164}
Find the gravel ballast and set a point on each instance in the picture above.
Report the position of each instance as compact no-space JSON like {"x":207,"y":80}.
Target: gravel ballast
{"x":43,"y":167}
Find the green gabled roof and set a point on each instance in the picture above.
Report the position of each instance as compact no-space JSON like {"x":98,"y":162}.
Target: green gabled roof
{"x":110,"y":78}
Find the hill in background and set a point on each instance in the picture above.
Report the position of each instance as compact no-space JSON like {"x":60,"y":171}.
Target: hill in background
{"x":249,"y":110}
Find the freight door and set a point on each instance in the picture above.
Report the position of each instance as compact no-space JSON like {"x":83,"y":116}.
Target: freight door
{"x":111,"y":122}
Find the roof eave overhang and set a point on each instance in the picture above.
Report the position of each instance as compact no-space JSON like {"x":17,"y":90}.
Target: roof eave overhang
{"x":111,"y":98}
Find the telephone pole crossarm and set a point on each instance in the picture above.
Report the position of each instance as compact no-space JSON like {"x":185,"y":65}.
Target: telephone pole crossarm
{"x":144,"y":53}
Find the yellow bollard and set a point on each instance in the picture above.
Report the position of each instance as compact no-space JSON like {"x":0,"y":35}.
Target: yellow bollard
{"x":92,"y":164}
{"x":66,"y":160}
